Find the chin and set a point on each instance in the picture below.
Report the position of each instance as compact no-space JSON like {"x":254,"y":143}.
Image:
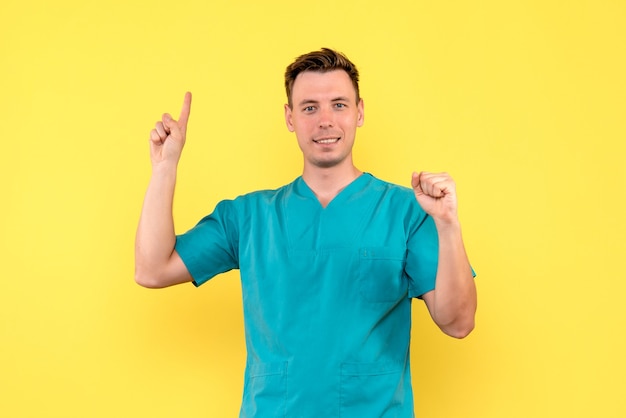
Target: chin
{"x":327,"y":163}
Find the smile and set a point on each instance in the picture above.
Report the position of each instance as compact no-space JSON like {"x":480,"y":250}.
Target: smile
{"x":326,"y":140}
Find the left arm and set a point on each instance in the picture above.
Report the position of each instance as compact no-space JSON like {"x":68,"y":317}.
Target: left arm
{"x":452,"y":304}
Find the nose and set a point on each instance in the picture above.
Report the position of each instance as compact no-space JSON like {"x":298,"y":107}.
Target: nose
{"x":326,"y":118}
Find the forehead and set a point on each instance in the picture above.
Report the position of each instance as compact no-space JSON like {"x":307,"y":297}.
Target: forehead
{"x":315,"y":85}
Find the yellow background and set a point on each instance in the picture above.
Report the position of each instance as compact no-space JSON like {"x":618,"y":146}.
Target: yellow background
{"x":523,"y":102}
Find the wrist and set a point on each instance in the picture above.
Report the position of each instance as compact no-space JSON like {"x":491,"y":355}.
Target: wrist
{"x":164,"y":173}
{"x":448,"y":226}
{"x":164,"y":167}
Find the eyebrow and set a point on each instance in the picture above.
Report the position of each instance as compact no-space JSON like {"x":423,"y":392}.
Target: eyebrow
{"x":307,"y":102}
{"x":311,"y":101}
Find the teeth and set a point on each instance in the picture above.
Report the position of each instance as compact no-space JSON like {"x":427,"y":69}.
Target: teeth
{"x":327,"y":141}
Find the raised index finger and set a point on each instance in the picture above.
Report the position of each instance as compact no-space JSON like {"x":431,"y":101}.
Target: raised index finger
{"x":184,"y":112}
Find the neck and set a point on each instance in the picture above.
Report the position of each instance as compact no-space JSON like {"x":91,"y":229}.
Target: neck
{"x":328,"y":182}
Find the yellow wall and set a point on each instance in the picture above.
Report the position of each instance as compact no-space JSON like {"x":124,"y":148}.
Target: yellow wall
{"x":524,"y":102}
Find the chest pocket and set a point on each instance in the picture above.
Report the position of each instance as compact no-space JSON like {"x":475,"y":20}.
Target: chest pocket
{"x":381,"y":273}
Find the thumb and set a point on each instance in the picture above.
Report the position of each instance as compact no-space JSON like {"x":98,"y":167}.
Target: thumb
{"x":171,"y":126}
{"x":415,"y":182}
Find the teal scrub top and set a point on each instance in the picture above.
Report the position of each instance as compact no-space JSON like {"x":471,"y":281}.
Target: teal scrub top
{"x":326,"y":294}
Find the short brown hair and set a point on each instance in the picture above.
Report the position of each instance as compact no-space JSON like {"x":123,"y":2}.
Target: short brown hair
{"x":321,"y":61}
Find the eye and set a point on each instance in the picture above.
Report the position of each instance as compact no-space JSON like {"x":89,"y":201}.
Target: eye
{"x":340,"y":105}
{"x":309,"y":109}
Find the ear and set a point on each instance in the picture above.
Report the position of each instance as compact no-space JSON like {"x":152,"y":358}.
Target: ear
{"x":288,"y":120}
{"x":360,"y":113}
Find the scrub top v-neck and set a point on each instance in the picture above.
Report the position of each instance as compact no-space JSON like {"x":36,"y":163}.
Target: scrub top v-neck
{"x":326,"y":294}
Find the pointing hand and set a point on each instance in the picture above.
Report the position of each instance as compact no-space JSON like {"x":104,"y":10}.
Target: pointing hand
{"x":168,"y":136}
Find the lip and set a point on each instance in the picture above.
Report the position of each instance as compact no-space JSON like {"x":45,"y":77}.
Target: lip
{"x":332,"y":140}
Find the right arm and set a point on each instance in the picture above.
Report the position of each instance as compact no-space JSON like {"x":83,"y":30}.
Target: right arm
{"x":157,"y":264}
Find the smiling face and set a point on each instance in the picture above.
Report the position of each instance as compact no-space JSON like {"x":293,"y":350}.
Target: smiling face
{"x":324,"y":116}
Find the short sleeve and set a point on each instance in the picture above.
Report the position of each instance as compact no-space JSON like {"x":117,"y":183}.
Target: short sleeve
{"x":211,"y":247}
{"x":422,"y":254}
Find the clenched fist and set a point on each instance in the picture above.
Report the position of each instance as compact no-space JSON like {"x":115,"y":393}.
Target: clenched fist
{"x":436,"y":194}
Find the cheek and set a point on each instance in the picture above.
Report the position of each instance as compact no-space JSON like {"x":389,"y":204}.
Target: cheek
{"x":302,"y":132}
{"x":303,"y":125}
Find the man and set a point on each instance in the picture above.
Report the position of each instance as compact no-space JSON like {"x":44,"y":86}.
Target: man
{"x":328,"y":263}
